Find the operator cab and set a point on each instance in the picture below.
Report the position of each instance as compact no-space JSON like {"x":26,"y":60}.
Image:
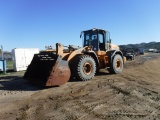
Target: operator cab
{"x":97,"y":38}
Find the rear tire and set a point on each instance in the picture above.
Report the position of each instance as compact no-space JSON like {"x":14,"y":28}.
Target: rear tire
{"x":116,"y":65}
{"x":84,"y":68}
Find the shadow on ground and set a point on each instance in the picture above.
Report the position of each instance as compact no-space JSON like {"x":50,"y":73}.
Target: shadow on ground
{"x":16,"y":83}
{"x":102,"y":72}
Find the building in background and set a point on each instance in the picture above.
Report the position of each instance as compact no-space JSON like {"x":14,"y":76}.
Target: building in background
{"x":22,"y":57}
{"x":6,"y":55}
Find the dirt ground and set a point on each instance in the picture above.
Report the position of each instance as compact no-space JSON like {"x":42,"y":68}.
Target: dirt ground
{"x":132,"y":95}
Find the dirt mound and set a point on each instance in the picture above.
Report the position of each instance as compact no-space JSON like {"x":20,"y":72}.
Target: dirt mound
{"x":133,"y":94}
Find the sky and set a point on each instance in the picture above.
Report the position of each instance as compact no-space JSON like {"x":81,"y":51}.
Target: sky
{"x":40,"y":23}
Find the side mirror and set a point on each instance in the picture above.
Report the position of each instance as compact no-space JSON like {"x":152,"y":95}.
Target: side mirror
{"x":110,"y":40}
{"x":81,"y":35}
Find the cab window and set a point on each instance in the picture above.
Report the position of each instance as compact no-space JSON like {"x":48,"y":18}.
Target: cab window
{"x":100,"y":38}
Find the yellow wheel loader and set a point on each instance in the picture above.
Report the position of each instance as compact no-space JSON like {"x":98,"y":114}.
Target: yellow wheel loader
{"x":56,"y":67}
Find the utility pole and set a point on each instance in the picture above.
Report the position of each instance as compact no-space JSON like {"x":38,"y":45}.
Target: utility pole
{"x":4,"y":62}
{"x":2,"y":52}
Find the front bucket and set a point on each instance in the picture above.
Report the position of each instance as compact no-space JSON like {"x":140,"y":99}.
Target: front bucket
{"x":48,"y":69}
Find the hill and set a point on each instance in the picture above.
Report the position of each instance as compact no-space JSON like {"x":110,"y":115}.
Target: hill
{"x":145,"y":46}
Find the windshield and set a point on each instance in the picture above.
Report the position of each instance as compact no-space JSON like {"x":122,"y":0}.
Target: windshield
{"x":90,"y":38}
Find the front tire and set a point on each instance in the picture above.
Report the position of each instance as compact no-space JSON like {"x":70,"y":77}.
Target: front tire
{"x":116,"y":65}
{"x":84,"y":68}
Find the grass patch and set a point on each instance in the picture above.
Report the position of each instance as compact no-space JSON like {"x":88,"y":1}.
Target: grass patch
{"x":2,"y":73}
{"x":9,"y":64}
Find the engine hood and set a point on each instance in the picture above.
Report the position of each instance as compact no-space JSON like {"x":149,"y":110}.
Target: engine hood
{"x":114,"y":47}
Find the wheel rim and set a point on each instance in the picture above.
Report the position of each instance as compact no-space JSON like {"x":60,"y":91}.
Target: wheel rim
{"x":118,"y":63}
{"x":87,"y":68}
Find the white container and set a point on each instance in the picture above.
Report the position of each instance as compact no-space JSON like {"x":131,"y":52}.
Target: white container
{"x":22,"y":57}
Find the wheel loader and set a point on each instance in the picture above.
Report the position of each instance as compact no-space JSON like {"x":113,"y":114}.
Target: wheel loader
{"x":55,"y":67}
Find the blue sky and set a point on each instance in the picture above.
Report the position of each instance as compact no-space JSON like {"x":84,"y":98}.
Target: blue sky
{"x":37,"y":23}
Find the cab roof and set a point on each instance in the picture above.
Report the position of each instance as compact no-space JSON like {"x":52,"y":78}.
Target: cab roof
{"x":93,"y":29}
